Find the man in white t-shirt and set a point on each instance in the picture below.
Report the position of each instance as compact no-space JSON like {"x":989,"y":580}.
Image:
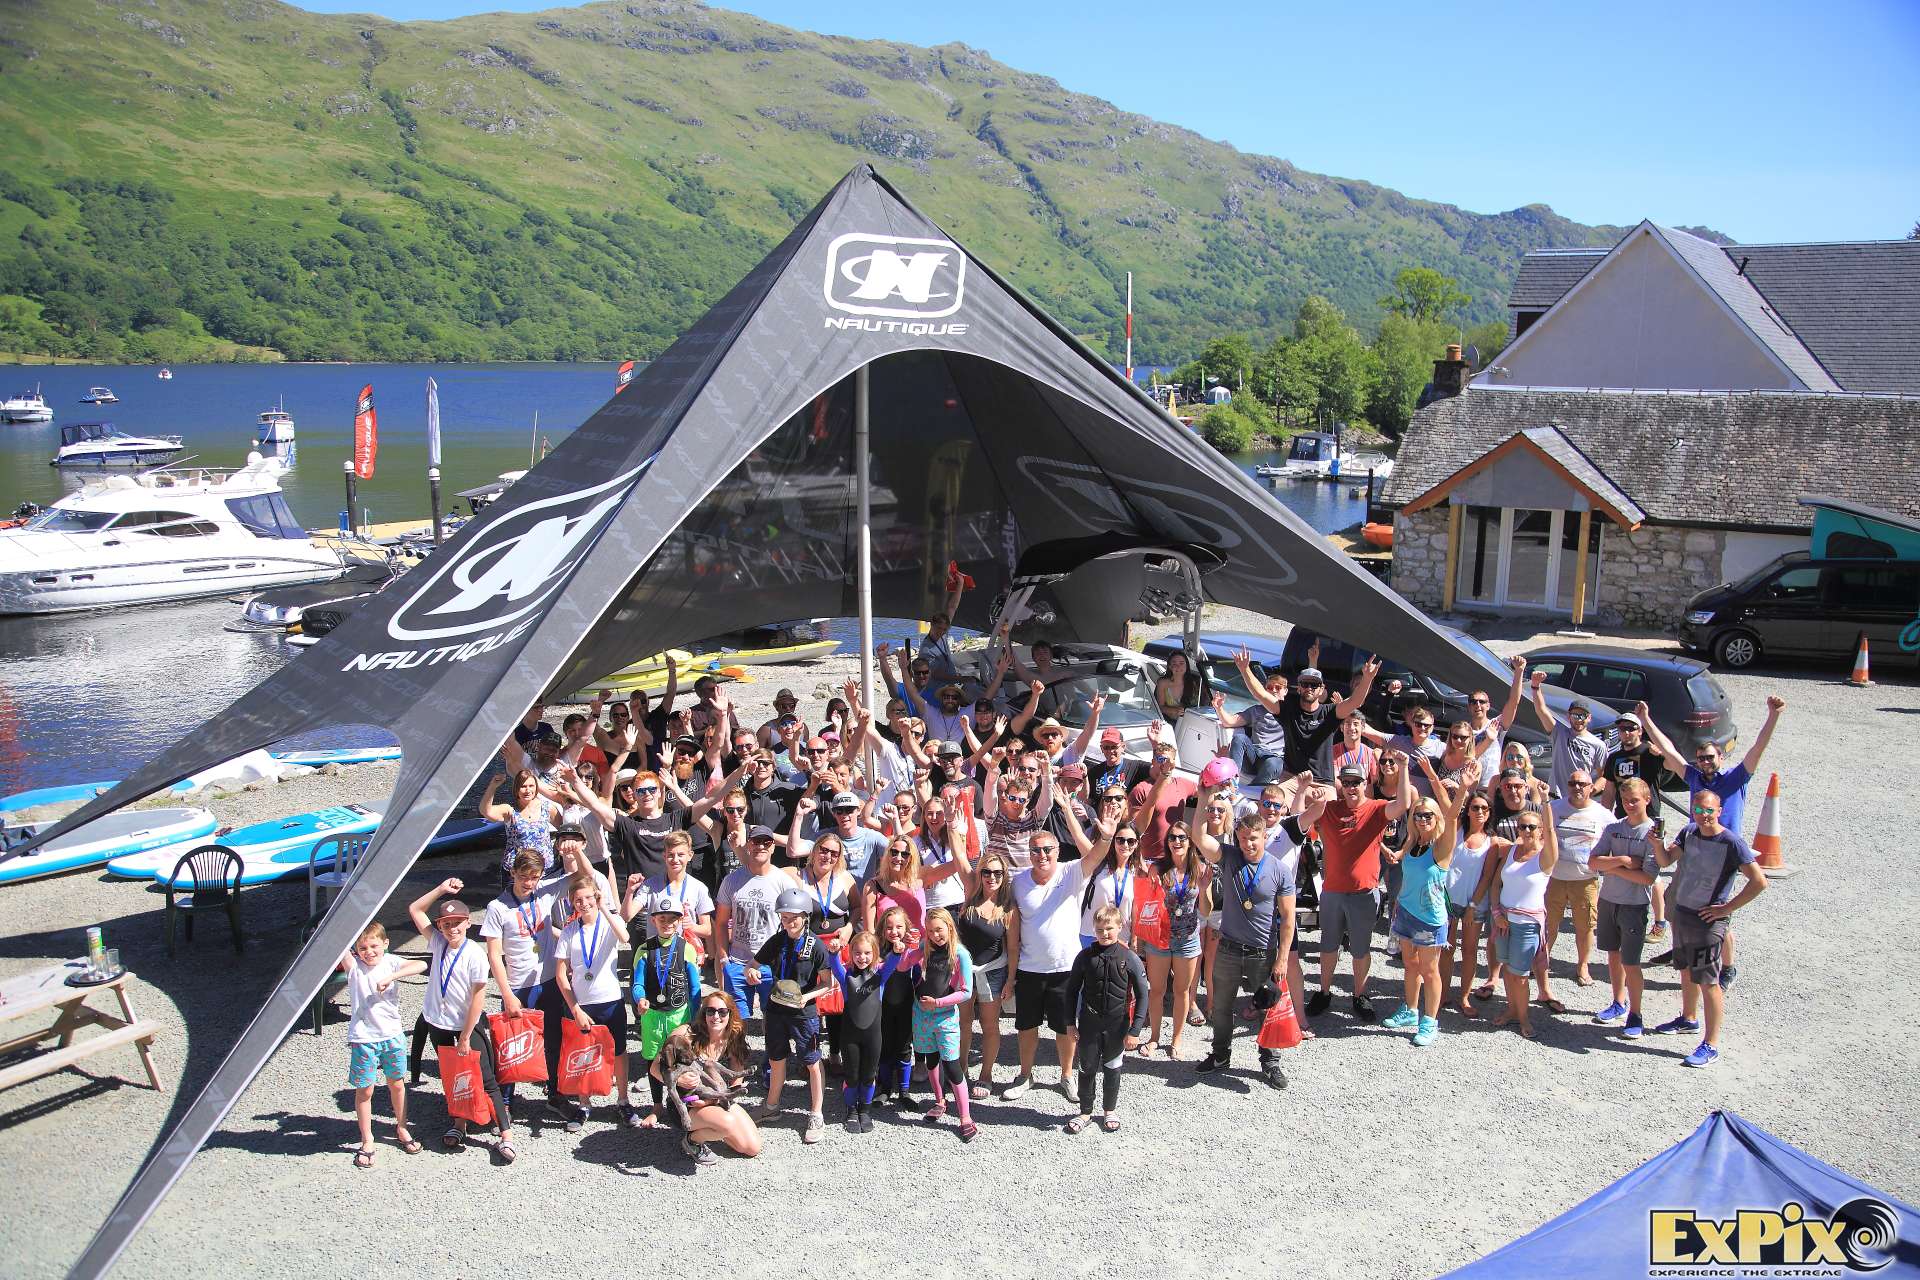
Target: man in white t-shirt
{"x":1578,"y":821}
{"x":745,"y":915}
{"x":1043,"y":938}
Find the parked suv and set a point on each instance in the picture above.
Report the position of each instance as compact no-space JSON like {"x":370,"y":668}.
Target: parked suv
{"x":1799,"y":607}
{"x":1687,"y":703}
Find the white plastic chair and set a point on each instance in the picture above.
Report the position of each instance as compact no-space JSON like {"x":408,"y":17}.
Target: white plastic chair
{"x":339,"y":855}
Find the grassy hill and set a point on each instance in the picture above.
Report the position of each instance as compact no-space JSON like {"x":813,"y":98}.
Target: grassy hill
{"x":240,"y":178}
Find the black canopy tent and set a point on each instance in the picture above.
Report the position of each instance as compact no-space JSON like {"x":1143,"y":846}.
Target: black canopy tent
{"x":718,"y":492}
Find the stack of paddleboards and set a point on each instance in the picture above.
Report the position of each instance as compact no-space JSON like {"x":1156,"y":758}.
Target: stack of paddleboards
{"x":129,"y":834}
{"x":270,"y":850}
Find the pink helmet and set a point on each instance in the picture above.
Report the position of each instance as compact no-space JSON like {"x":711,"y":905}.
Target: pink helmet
{"x":1219,"y":772}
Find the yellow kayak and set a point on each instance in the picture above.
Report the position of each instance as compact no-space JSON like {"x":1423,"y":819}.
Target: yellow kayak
{"x":650,"y":674}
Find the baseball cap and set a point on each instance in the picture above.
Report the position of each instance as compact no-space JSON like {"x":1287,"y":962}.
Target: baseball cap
{"x":1579,"y":705}
{"x":687,"y":740}
{"x":949,"y":749}
{"x":1074,"y":770}
{"x":844,"y":801}
{"x":761,"y":832}
{"x":1626,"y":718}
{"x":786,"y":720}
{"x":1310,"y":675}
{"x":664,"y":904}
{"x":449,"y":909}
{"x":1354,"y":772}
{"x":1112,"y":735}
{"x":561,"y":833}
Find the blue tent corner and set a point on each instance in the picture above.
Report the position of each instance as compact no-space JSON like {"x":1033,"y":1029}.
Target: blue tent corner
{"x":1725,"y":1166}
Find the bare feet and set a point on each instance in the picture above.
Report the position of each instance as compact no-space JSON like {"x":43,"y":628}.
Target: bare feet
{"x":1505,"y":1019}
{"x":1526,"y":1030}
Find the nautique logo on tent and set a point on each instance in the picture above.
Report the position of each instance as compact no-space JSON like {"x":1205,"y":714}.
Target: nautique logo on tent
{"x":1787,"y":1241}
{"x":898,"y":277}
{"x":490,"y":590}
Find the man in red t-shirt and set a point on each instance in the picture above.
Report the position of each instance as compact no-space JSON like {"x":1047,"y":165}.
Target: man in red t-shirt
{"x":1350,"y":832}
{"x":1155,"y":801}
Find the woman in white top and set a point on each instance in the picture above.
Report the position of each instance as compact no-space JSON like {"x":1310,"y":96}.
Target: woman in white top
{"x":1476,"y":859}
{"x":587,"y":948}
{"x":1520,"y":907}
{"x":938,"y":845}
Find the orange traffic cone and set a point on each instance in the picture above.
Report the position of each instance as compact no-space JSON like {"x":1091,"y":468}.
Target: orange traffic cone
{"x":1859,"y":678}
{"x":1766,"y":838}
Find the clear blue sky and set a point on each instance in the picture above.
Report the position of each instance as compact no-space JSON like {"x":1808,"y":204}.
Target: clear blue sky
{"x":1766,"y":120}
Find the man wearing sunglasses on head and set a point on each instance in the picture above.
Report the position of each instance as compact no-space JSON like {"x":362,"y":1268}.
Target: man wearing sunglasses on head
{"x":1709,"y":860}
{"x":1288,"y":726}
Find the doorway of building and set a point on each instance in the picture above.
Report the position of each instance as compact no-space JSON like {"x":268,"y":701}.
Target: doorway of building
{"x":1524,"y":558}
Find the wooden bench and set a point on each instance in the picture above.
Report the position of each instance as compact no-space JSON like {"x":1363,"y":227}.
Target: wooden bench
{"x":46,"y":989}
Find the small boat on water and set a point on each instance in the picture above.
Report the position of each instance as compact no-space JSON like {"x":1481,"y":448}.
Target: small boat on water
{"x":282,"y":607}
{"x":276,"y":426}
{"x":25,"y":406}
{"x":99,"y":395}
{"x":1379,"y":536}
{"x":165,"y":375}
{"x":101,"y":444}
{"x":1354,"y":469}
{"x":158,"y":536}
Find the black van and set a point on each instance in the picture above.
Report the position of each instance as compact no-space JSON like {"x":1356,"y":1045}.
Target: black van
{"x":1799,"y":607}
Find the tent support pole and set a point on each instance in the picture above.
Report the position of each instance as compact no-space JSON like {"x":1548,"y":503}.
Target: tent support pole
{"x":864,"y":498}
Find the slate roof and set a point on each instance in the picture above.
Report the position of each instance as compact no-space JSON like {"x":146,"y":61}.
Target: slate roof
{"x":1710,"y":262}
{"x":1546,"y":274}
{"x":1699,"y":458}
{"x":1854,"y":308}
{"x":1556,"y":445}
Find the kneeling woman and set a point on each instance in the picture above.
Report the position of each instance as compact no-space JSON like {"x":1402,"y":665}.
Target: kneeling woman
{"x":706,"y":1066}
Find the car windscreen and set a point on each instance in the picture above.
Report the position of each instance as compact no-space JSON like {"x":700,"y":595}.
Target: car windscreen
{"x":1129,"y":698}
{"x":1767,"y":570}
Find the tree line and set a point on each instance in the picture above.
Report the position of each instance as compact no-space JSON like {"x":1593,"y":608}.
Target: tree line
{"x":1324,"y":372}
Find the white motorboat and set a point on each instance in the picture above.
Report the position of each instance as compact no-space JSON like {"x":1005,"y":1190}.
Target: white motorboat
{"x":99,"y":395}
{"x":1354,"y":467}
{"x":165,"y":375}
{"x":27,"y":406}
{"x":276,"y":426}
{"x":101,"y":444}
{"x":158,"y":536}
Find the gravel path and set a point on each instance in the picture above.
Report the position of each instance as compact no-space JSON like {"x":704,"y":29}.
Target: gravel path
{"x":1212,"y":1176}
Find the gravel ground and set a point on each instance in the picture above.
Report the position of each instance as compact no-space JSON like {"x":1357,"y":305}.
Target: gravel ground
{"x":1318,"y":1176}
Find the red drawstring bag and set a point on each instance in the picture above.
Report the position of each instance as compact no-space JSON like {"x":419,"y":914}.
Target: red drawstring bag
{"x":466,"y":1091}
{"x":1151,"y":923}
{"x":1280,"y":1029}
{"x":586,"y":1060}
{"x":835,"y":999}
{"x":519,"y":1046}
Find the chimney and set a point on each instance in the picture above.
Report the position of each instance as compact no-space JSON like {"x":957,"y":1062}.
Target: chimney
{"x":1450,"y":373}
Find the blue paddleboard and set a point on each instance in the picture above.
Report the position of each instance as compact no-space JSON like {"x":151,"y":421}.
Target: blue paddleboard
{"x":270,"y":850}
{"x":338,"y":755}
{"x":52,"y":795}
{"x":130,"y":833}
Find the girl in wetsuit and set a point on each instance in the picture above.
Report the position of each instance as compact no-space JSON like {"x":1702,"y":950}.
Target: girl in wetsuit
{"x":896,"y":1011}
{"x":942,"y":982}
{"x":862,"y":977}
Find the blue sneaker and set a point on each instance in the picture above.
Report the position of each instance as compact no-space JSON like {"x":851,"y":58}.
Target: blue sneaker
{"x":1612,"y":1013}
{"x":1703,"y":1056}
{"x":1634,"y":1028}
{"x":1727,"y":975}
{"x":1676,"y":1026}
{"x":1429,"y":1028}
{"x":1400,"y":1019}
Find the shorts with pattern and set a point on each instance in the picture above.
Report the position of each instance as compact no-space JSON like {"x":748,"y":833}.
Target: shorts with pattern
{"x":936,"y":1031}
{"x":367,"y":1063}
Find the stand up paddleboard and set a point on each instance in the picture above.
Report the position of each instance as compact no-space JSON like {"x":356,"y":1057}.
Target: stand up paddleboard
{"x":270,"y":850}
{"x":338,"y":755}
{"x":88,"y":790}
{"x":112,"y":836}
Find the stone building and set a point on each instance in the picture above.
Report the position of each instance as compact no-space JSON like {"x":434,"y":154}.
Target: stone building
{"x":1664,"y":406}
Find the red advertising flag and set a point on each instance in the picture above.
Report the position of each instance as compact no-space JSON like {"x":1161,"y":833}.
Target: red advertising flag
{"x":366,"y":434}
{"x":622,"y":377}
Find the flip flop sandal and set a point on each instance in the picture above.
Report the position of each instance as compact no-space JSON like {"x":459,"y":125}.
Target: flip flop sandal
{"x":1553,"y":1005}
{"x":453,"y":1140}
{"x":363,"y":1159}
{"x":978,"y":1092}
{"x":968,"y":1131}
{"x":1194,"y":1019}
{"x":1110,"y":1123}
{"x":1484,"y":991}
{"x":409,"y":1145}
{"x":1078,"y":1124}
{"x":506,"y":1152}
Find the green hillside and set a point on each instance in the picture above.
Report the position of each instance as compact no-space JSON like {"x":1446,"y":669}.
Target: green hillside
{"x":240,"y":177}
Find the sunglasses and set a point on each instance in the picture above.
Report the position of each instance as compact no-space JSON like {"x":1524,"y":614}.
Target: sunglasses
{"x":1043,"y":850}
{"x":1128,"y":840}
{"x":1529,"y":826}
{"x":1273,"y":804}
{"x":1459,"y":737}
{"x":716,"y":1011}
{"x":1578,"y":782}
{"x":993,"y":875}
{"x":1480,"y":702}
{"x":648,"y":790}
{"x":899,"y":853}
{"x":1425,"y":816}
{"x":1701,"y":811}
{"x":737,"y":813}
{"x":1176,"y":837}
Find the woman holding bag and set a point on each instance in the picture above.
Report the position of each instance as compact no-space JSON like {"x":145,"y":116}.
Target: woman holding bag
{"x":584,"y":969}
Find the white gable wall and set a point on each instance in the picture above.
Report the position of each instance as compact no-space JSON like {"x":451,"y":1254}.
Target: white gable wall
{"x":1640,"y":319}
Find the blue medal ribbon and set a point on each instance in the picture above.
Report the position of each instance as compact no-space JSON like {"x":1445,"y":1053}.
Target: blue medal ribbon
{"x":447,"y":965}
{"x":1118,"y":888}
{"x":1249,"y":876}
{"x":591,"y":947}
{"x":662,"y":967}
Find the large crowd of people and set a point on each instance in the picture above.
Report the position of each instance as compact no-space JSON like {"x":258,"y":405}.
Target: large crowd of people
{"x":871,"y":892}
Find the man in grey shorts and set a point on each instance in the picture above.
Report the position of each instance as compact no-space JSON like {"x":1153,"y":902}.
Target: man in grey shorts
{"x":1709,"y":860}
{"x":1625,"y":855}
{"x":1351,"y":829}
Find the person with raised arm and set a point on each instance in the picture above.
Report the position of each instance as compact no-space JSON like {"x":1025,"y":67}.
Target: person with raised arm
{"x":1575,"y":745}
{"x":1708,"y":771}
{"x":528,"y":820}
{"x":1352,"y":829}
{"x":456,"y":996}
{"x":1012,"y":824}
{"x":1420,"y":915}
{"x":1520,"y":903}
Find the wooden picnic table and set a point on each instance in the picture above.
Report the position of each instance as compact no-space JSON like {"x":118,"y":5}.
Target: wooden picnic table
{"x":46,"y":989}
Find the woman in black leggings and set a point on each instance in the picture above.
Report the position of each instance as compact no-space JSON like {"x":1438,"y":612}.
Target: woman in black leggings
{"x":863,"y":984}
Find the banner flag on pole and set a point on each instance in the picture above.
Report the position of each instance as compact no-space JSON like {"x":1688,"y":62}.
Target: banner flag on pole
{"x":366,"y":434}
{"x":622,"y":377}
{"x":433,"y":423}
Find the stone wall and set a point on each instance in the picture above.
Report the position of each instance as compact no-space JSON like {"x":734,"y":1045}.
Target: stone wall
{"x":1646,"y":576}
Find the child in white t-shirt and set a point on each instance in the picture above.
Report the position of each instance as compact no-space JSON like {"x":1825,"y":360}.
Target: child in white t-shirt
{"x":375,"y":1047}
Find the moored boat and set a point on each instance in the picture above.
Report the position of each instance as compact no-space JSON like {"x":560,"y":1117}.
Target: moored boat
{"x":101,"y":444}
